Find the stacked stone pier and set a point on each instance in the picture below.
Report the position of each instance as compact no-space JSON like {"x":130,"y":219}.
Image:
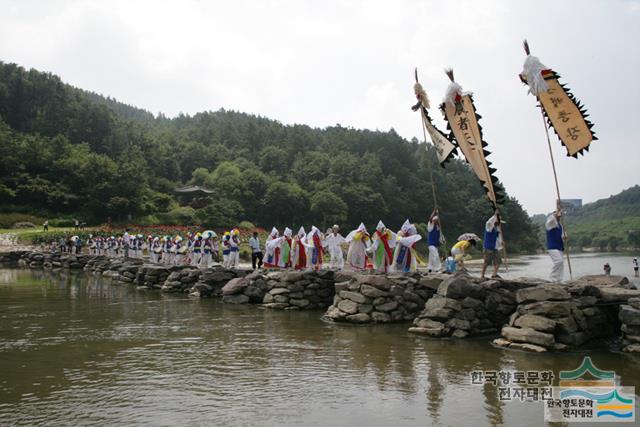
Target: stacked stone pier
{"x":524,"y":314}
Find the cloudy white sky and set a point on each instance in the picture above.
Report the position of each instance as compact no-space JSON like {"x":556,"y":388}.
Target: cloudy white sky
{"x":351,"y":62}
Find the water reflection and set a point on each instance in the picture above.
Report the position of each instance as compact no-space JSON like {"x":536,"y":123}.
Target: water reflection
{"x":75,"y":347}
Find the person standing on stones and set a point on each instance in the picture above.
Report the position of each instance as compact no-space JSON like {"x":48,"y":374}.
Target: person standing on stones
{"x":359,"y":243}
{"x":635,"y":267}
{"x":332,"y":242}
{"x":492,"y":244}
{"x":256,"y":251}
{"x":555,"y":245}
{"x":434,"y":237}
{"x":126,"y":240}
{"x":234,"y":249}
{"x":298,"y":250}
{"x":405,"y":256}
{"x":384,"y":241}
{"x":315,"y":252}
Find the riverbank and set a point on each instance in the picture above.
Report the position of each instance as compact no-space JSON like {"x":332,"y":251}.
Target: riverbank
{"x":525,"y":314}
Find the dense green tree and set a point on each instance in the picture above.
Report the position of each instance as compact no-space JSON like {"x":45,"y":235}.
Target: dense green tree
{"x":71,"y":152}
{"x":328,"y":206}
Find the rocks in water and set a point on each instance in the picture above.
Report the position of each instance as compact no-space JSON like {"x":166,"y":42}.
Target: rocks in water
{"x":539,"y":323}
{"x":528,"y":335}
{"x":297,"y":290}
{"x":629,"y":315}
{"x":383,"y":298}
{"x":464,"y":306}
{"x":235,"y":299}
{"x":235,"y":286}
{"x":348,"y":306}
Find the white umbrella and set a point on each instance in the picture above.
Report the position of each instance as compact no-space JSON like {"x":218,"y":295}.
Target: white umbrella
{"x":469,"y":236}
{"x":208,"y":234}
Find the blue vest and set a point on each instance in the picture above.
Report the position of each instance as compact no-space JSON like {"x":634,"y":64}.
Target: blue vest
{"x":554,"y":238}
{"x":433,"y":238}
{"x":490,"y":239}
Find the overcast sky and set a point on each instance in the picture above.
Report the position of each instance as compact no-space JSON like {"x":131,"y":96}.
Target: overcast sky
{"x":351,"y":62}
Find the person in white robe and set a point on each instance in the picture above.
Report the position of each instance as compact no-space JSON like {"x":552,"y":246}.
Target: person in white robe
{"x":434,"y":239}
{"x":359,"y":241}
{"x":405,"y":256}
{"x":272,"y":249}
{"x":333,"y":242}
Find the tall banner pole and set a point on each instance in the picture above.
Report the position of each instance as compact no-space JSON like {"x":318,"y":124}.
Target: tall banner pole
{"x":558,"y":203}
{"x":563,"y":112}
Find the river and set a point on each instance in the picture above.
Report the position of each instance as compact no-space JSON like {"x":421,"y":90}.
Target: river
{"x":76,"y":350}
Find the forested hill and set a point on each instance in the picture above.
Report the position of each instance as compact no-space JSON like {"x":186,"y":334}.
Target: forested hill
{"x":68,"y":152}
{"x":608,"y":223}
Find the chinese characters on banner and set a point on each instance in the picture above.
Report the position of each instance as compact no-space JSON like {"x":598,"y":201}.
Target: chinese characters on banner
{"x":463,"y":122}
{"x":565,"y":116}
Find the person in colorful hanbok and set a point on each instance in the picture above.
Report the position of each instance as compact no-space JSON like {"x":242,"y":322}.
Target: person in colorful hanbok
{"x":196,"y":250}
{"x":333,"y":241}
{"x":234,"y":249}
{"x":315,"y":252}
{"x":359,"y":241}
{"x":226,"y":249}
{"x":405,"y":256}
{"x":155,"y":249}
{"x":298,"y":250}
{"x":180,"y":250}
{"x":555,"y":244}
{"x":384,"y":240}
{"x":272,"y":249}
{"x":207,"y":249}
{"x":434,"y":238}
{"x":166,"y":251}
{"x":285,"y":249}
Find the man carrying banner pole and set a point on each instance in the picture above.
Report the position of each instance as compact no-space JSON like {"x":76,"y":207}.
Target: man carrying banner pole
{"x":445,"y":149}
{"x":463,"y":122}
{"x":561,"y":111}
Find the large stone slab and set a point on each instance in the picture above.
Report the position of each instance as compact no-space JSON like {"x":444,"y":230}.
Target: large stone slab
{"x":234,"y":286}
{"x":551,"y":309}
{"x":539,"y":323}
{"x":618,"y":294}
{"x":372,"y":292}
{"x":348,"y":306}
{"x":443,"y":302}
{"x":528,"y":335}
{"x":457,"y":287}
{"x":629,"y":315}
{"x":542,"y":293}
{"x":353,"y":296}
{"x":377,"y":281}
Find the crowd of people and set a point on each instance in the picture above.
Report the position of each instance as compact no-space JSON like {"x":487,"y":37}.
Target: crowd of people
{"x":381,"y":251}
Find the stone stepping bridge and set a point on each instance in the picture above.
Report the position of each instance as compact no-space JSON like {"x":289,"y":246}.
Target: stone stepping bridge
{"x":525,"y":314}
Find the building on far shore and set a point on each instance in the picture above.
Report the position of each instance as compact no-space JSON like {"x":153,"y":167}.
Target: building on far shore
{"x":570,"y":205}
